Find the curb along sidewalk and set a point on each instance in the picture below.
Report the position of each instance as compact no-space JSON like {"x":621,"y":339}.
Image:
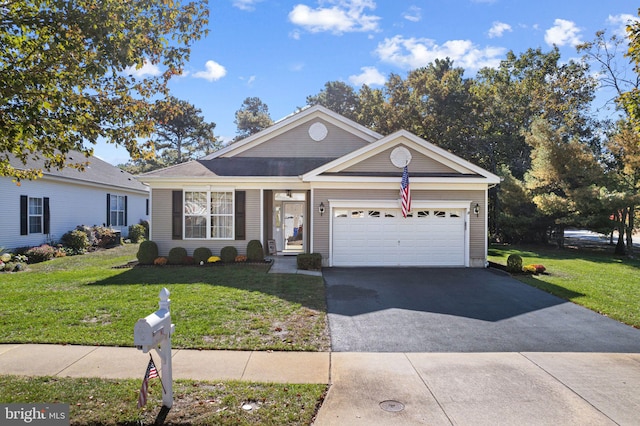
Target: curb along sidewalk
{"x":121,"y":363}
{"x":389,"y":388}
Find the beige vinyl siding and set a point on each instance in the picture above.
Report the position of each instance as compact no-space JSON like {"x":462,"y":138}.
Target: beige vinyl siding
{"x":297,"y":143}
{"x":161,"y":225}
{"x":381,"y":163}
{"x":477,"y":236}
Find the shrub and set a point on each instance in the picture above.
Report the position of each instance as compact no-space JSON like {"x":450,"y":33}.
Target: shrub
{"x":160,"y":261}
{"x":147,"y":252}
{"x":189,"y":260}
{"x":137,"y":233}
{"x":228,"y":254}
{"x":213,"y":259}
{"x":255,"y":252}
{"x":514,"y":263}
{"x":241,"y":258}
{"x":201,"y":254}
{"x":106,"y":237}
{"x":309,"y":261}
{"x":76,"y":240}
{"x":177,"y":255}
{"x":40,"y":254}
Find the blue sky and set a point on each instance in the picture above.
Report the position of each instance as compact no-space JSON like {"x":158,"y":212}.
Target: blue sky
{"x":284,"y":51}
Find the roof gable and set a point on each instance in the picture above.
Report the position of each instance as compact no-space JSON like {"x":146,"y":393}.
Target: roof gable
{"x":428,"y":161}
{"x":291,"y":137}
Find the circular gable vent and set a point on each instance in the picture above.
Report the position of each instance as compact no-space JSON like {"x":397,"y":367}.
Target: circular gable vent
{"x":318,"y":131}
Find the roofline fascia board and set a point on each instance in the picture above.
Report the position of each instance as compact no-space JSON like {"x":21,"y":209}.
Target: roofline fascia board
{"x":396,"y":186}
{"x":413,"y":180}
{"x":388,"y":204}
{"x":301,"y":117}
{"x":81,"y":182}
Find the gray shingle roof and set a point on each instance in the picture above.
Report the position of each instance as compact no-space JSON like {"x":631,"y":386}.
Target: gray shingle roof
{"x":98,"y":171}
{"x":242,"y":166}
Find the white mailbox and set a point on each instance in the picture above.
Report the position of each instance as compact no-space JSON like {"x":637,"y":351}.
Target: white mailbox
{"x":154,"y":332}
{"x":150,"y":331}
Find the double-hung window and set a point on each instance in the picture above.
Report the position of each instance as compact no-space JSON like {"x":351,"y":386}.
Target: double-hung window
{"x":208,"y":214}
{"x":117,"y":210}
{"x":35,"y":215}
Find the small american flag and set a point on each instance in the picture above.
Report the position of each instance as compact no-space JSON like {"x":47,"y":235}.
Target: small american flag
{"x":405,"y":192}
{"x":151,"y":373}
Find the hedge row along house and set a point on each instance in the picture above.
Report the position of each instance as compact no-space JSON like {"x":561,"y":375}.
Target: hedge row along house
{"x":319,"y":182}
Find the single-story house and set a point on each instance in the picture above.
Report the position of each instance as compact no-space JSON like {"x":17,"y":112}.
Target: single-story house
{"x":319,"y":182}
{"x":43,"y":210}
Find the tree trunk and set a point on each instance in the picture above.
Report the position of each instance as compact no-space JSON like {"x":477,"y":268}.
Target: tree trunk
{"x":620,"y":247}
{"x":560,"y":236}
{"x":632,"y":212}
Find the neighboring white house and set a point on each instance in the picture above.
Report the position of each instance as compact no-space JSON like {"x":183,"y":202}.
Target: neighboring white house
{"x":318,"y":182}
{"x":42,"y":210}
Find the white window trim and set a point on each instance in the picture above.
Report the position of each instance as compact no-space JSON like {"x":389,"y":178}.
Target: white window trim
{"x":41,"y":215}
{"x":113,"y":208}
{"x":209,"y":190}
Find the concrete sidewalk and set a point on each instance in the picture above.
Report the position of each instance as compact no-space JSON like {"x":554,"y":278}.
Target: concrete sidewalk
{"x":390,"y":388}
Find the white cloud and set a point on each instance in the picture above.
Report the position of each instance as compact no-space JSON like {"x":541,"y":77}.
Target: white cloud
{"x":248,"y":5}
{"x":414,"y":14}
{"x":411,"y":53}
{"x":342,"y":17}
{"x":620,"y":23}
{"x":214,"y":71}
{"x":147,"y":69}
{"x":563,"y":33}
{"x":498,"y":29}
{"x":369,"y":76}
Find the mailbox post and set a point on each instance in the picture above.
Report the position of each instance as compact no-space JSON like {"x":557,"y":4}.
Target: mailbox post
{"x":154,"y":332}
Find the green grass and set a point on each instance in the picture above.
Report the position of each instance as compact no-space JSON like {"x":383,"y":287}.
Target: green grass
{"x":114,"y":402}
{"x":595,"y":279}
{"x":83,"y":300}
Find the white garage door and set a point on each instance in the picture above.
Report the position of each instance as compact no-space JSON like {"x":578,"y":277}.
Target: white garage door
{"x":382,"y":237}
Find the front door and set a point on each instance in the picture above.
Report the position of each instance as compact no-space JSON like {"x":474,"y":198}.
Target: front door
{"x":293,"y":227}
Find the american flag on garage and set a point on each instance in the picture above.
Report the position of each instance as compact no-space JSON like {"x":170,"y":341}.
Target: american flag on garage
{"x":405,"y":192}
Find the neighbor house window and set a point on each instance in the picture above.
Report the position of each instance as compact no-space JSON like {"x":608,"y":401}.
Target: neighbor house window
{"x":35,"y":215}
{"x":208,"y":215}
{"x":117,"y":210}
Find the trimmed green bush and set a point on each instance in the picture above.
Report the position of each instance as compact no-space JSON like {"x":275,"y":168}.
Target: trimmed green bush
{"x":147,"y":252}
{"x":309,"y":261}
{"x":76,"y":240}
{"x":228,"y":254}
{"x":136,"y":233}
{"x":255,"y":252}
{"x":514,"y":263}
{"x":201,"y":254}
{"x":177,"y":256}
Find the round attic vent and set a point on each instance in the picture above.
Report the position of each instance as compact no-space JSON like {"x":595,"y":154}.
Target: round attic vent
{"x":318,"y":131}
{"x":400,"y":157}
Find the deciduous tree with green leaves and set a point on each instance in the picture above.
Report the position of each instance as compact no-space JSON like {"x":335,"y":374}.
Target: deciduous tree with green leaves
{"x":65,"y":70}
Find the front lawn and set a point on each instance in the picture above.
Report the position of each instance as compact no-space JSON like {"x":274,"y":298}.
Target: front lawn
{"x":595,"y":279}
{"x":84,"y":300}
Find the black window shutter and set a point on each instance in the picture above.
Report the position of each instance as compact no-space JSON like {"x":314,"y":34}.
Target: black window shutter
{"x":240,"y":214}
{"x":46,"y":217}
{"x":24,"y":215}
{"x":108,"y":210}
{"x":176,"y":215}
{"x":125,"y":210}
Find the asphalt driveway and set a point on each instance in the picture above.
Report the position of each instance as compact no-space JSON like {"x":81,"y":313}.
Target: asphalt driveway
{"x":460,"y":310}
